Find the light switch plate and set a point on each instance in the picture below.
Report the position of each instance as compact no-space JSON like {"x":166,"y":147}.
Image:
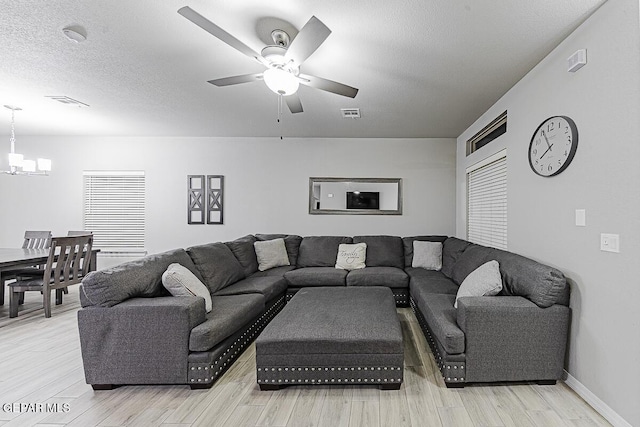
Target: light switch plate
{"x":610,"y":242}
{"x":581,"y":217}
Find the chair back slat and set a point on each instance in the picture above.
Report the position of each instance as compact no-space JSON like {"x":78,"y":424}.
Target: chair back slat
{"x":68,"y":261}
{"x":37,"y":239}
{"x":78,"y":232}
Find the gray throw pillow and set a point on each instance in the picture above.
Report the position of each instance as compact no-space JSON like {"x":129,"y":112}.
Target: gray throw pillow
{"x":181,"y":282}
{"x":483,"y":281}
{"x":217,"y":265}
{"x":427,"y":255}
{"x":271,"y":253}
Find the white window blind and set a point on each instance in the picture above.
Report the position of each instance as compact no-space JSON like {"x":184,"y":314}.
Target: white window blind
{"x":114,"y":209}
{"x":487,"y":202}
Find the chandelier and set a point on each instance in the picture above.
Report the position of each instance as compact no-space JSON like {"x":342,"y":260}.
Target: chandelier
{"x":18,"y":165}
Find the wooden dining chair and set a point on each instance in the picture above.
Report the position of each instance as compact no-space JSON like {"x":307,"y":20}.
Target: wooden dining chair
{"x":68,"y":262}
{"x":32,"y":240}
{"x":76,"y":233}
{"x":37,"y":240}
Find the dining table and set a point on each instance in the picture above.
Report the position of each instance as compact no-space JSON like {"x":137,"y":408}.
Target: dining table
{"x":11,"y":258}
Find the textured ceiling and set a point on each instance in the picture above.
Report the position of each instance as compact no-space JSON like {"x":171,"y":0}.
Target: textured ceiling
{"x":425,"y":68}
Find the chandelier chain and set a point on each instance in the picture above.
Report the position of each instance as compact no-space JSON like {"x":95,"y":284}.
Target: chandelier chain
{"x":13,"y":130}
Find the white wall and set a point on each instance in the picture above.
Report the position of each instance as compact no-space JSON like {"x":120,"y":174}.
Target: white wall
{"x":604,"y":100}
{"x":266,"y":185}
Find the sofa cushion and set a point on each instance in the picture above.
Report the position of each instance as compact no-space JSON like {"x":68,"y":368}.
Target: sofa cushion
{"x":431,"y":281}
{"x":452,"y":248}
{"x":274,"y":272}
{"x":228,"y":315}
{"x":407,"y":242}
{"x":383,"y":251}
{"x":441,"y":316}
{"x":271,"y":254}
{"x":217,"y":264}
{"x":138,"y":278}
{"x":541,"y":284}
{"x":391,"y":277}
{"x":320,"y":251}
{"x":316,"y":276}
{"x":427,"y":255}
{"x":473,"y":257}
{"x":270,"y":287}
{"x":291,"y":242}
{"x":318,"y":322}
{"x":181,"y":282}
{"x":484,"y":281}
{"x":244,"y":252}
{"x":351,"y":256}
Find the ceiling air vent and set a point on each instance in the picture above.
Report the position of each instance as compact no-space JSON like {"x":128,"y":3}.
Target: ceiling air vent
{"x":68,"y":101}
{"x":350,"y":113}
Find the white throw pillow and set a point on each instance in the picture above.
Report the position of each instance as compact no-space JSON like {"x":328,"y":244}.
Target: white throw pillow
{"x":181,"y":282}
{"x":271,"y":253}
{"x":351,"y":256}
{"x":483,"y":281}
{"x":427,"y":255}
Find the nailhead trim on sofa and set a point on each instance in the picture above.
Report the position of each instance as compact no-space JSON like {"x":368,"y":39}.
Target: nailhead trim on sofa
{"x":203,"y":375}
{"x":453,"y":373}
{"x":330,"y":375}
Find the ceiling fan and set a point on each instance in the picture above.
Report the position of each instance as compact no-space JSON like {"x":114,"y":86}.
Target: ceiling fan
{"x":282,"y":59}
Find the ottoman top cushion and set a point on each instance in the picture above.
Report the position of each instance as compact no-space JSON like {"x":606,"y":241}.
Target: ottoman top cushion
{"x":327,"y":320}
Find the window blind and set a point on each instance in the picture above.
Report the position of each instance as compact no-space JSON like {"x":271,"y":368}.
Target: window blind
{"x":114,"y":209}
{"x":487,"y":203}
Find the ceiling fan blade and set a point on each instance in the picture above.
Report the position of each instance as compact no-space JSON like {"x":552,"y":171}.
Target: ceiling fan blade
{"x":235,"y":80}
{"x":310,"y":37}
{"x":328,"y":85}
{"x":218,"y":32}
{"x":293,"y":102}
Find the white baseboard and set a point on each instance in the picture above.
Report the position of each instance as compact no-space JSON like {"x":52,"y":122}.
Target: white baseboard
{"x":593,"y":400}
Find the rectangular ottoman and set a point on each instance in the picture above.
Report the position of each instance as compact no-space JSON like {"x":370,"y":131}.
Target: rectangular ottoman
{"x":333,"y":336}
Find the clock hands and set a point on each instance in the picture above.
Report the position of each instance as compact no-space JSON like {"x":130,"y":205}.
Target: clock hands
{"x":546,"y":140}
{"x":548,"y":149}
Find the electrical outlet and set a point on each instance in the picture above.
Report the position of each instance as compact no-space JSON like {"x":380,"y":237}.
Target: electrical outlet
{"x":610,"y":242}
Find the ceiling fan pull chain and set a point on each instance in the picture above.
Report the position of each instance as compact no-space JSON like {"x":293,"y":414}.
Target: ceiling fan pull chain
{"x":279,"y":107}
{"x":280,"y":112}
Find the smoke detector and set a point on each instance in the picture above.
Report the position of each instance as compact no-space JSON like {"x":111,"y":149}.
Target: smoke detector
{"x":75,"y":34}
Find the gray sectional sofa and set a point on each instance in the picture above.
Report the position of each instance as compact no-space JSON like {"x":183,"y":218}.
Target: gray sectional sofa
{"x":132,"y":331}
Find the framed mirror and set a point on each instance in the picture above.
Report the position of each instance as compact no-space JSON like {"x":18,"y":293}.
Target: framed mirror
{"x":355,"y":196}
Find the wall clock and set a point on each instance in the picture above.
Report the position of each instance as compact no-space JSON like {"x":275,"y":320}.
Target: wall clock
{"x":553,"y":146}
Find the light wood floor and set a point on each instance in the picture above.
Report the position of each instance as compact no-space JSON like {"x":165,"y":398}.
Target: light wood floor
{"x":40,"y":362}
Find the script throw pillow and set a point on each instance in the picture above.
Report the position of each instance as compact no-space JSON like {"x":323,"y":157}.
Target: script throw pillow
{"x":271,"y":254}
{"x":351,"y":256}
{"x":181,"y":282}
{"x":483,"y":281}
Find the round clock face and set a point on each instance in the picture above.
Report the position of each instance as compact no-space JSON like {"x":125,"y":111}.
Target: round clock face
{"x":553,"y":146}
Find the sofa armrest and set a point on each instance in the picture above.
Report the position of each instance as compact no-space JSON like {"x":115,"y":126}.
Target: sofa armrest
{"x":139,"y":341}
{"x":509,"y":338}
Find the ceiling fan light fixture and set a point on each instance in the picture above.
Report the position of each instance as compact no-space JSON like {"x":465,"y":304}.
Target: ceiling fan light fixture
{"x":281,"y":81}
